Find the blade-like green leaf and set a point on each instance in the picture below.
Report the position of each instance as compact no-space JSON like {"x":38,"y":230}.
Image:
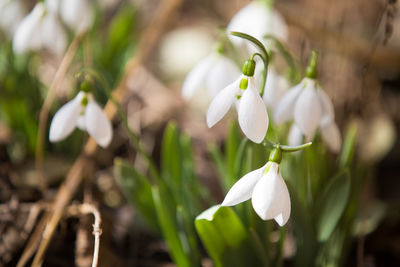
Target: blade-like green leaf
{"x":171,"y":157}
{"x":225,"y":238}
{"x":347,"y":153}
{"x":331,"y":204}
{"x":137,"y":190}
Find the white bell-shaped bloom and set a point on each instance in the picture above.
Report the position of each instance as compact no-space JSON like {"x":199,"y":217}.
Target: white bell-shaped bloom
{"x":209,"y":76}
{"x":40,"y":29}
{"x":267,"y":190}
{"x":258,"y":19}
{"x":11,"y":14}
{"x":77,"y":14}
{"x":310,"y":107}
{"x":252,"y":113}
{"x":75,"y":114}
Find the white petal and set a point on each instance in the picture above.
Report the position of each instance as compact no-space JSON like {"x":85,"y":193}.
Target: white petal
{"x":331,"y":134}
{"x":77,"y":14}
{"x":326,"y":103}
{"x":295,"y":136}
{"x":11,"y":14}
{"x":285,"y":108}
{"x":270,"y":197}
{"x":65,"y":119}
{"x":221,"y":74}
{"x":275,"y":88}
{"x":195,"y":80}
{"x":97,"y":124}
{"x":283,"y":217}
{"x":307,"y":111}
{"x":53,"y":5}
{"x":253,"y":116}
{"x":80,"y":123}
{"x":27,"y":35}
{"x":243,"y":188}
{"x":222,"y":102}
{"x":53,"y":34}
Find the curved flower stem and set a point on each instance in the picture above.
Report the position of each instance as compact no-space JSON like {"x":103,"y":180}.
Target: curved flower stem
{"x":265,"y":56}
{"x":285,"y":148}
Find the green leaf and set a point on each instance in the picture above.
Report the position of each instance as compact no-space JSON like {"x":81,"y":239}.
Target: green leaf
{"x":137,"y":190}
{"x":347,"y":153}
{"x":225,"y":238}
{"x":169,"y":226}
{"x":171,"y":158}
{"x":331,"y":205}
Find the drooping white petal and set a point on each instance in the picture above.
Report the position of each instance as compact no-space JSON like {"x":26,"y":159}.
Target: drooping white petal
{"x":283,"y":217}
{"x":53,"y":34}
{"x":285,"y":108}
{"x":243,"y":188}
{"x":97,"y":124}
{"x":221,"y":74}
{"x":27,"y":36}
{"x":326,"y":103}
{"x":270,"y":196}
{"x":77,"y":14}
{"x":308,"y":111}
{"x":65,"y":119}
{"x":222,"y":102}
{"x":195,"y":80}
{"x":253,"y":116}
{"x":80,"y":123}
{"x":295,"y":136}
{"x":331,"y":134}
{"x":11,"y":14}
{"x":275,"y":88}
{"x":53,"y":6}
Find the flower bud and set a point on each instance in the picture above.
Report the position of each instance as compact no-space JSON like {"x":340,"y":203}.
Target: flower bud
{"x":249,"y":67}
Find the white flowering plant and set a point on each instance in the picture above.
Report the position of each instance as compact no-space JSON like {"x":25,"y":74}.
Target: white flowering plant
{"x":287,"y":185}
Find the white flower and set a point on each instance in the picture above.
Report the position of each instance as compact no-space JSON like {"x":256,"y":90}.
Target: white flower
{"x":11,"y":14}
{"x":40,"y":29}
{"x":275,"y":88}
{"x":310,"y":107}
{"x":252,"y":114}
{"x":258,"y":19}
{"x":77,"y":14}
{"x":267,"y":190}
{"x":75,"y":114}
{"x":211,"y":74}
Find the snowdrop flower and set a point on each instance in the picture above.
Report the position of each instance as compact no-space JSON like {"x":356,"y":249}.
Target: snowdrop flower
{"x":211,"y":74}
{"x":40,"y":29}
{"x":310,"y":107}
{"x":82,"y":112}
{"x":258,"y":19}
{"x":252,"y":113}
{"x":77,"y":14}
{"x":267,"y":190}
{"x":11,"y":14}
{"x":275,"y":88}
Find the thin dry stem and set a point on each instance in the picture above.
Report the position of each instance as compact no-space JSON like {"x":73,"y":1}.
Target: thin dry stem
{"x":44,"y":111}
{"x":51,"y":219}
{"x":87,"y":208}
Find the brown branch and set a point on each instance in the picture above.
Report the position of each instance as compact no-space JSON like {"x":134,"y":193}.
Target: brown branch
{"x":44,"y":111}
{"x":49,"y":222}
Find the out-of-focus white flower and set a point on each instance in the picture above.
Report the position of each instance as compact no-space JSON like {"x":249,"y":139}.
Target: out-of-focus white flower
{"x":82,"y":112}
{"x":209,"y":76}
{"x":275,"y":88}
{"x":310,"y":107}
{"x":40,"y":29}
{"x":252,"y":113}
{"x":258,"y":19}
{"x":77,"y":14}
{"x":11,"y":14}
{"x":267,"y":190}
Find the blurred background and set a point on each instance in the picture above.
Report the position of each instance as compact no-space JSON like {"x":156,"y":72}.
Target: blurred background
{"x":359,"y":45}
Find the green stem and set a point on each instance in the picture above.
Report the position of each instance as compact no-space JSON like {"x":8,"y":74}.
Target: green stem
{"x":264,"y":56}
